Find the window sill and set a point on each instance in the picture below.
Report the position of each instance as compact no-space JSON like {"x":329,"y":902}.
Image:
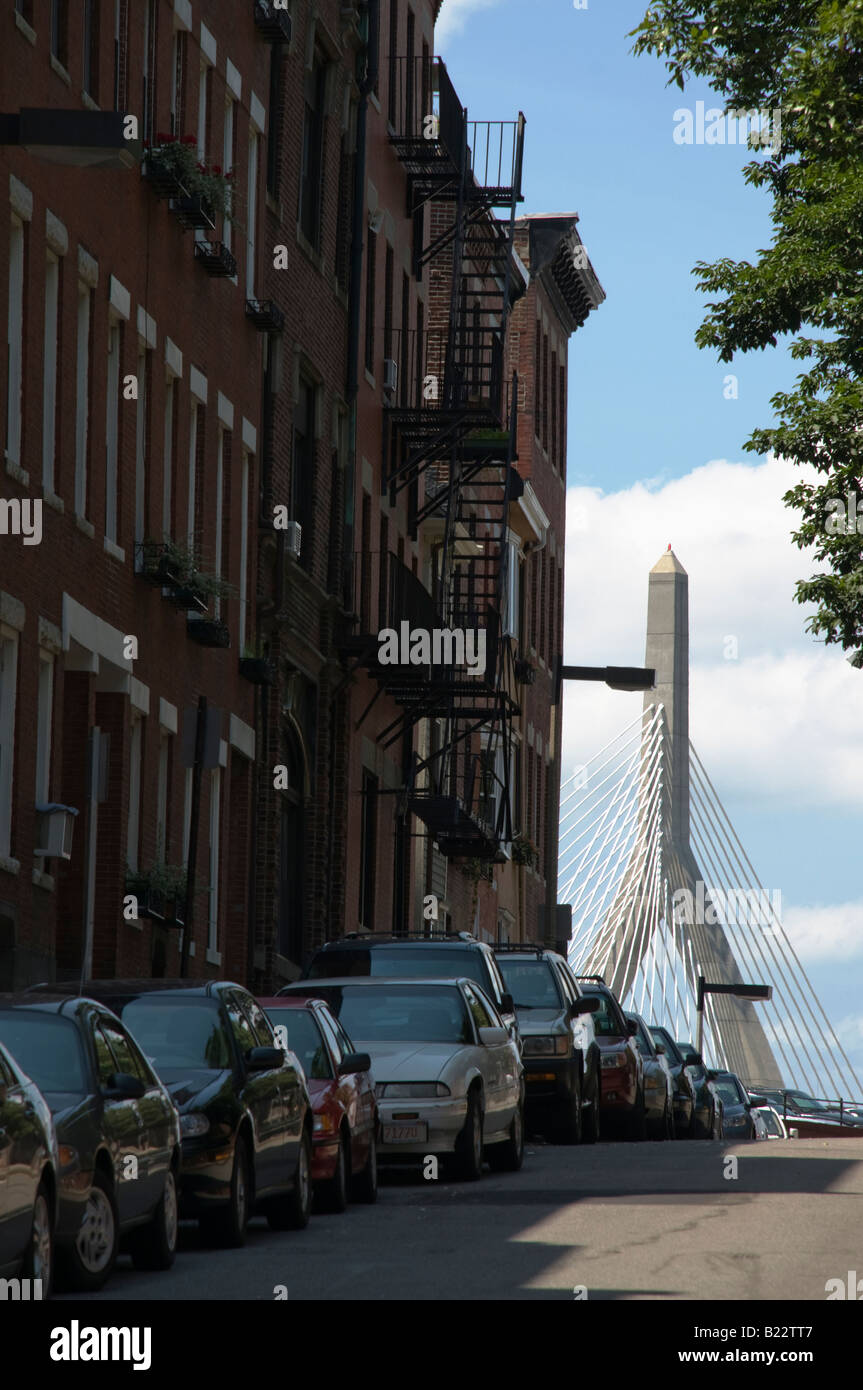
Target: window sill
{"x":24,"y":28}
{"x":17,"y":472}
{"x":43,"y":880}
{"x":115,"y":551}
{"x":62,"y":73}
{"x":9,"y":865}
{"x":213,"y":957}
{"x":53,"y":501}
{"x":84,"y":525}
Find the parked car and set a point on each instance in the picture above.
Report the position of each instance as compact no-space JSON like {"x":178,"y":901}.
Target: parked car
{"x":770,"y":1117}
{"x":658,"y":1082}
{"x":811,"y":1117}
{"x":448,"y":1076}
{"x":344,"y":1153}
{"x":740,"y":1120}
{"x":118,"y":1133}
{"x":622,"y":1103}
{"x":381,"y":954}
{"x":684,"y":1086}
{"x":245,"y":1111}
{"x":708,"y":1102}
{"x":559,"y":1047}
{"x":28,"y":1179}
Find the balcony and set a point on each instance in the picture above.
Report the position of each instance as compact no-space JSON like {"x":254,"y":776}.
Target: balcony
{"x":266,"y":315}
{"x":468,"y":816}
{"x":215,"y":258}
{"x":272,"y":23}
{"x":208,"y":632}
{"x":194,"y":212}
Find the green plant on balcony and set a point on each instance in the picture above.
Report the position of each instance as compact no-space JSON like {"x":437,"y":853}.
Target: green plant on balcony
{"x":524,"y":851}
{"x":174,"y":159}
{"x":160,"y":891}
{"x":166,"y":561}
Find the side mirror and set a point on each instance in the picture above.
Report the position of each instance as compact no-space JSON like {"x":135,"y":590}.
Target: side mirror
{"x":660,"y":1050}
{"x":587,"y":1004}
{"x":507,"y":1004}
{"x":355,"y":1061}
{"x":756,"y":1102}
{"x":493,"y":1037}
{"x":631,"y":1027}
{"x":122,"y":1086}
{"x":693,"y":1059}
{"x":264,"y":1058}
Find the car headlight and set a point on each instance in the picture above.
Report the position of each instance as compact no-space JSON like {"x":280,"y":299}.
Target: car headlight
{"x":547,"y":1046}
{"x":617,"y":1060}
{"x":411,"y":1090}
{"x":192,"y":1126}
{"x":325,"y":1124}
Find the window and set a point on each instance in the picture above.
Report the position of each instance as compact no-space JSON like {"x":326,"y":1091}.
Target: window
{"x":91,"y":48}
{"x":178,"y":80}
{"x":8,"y":691}
{"x":82,"y":397}
{"x":332,"y":1038}
{"x":311,"y":175}
{"x":105,"y":1064}
{"x":59,"y":30}
{"x":49,"y":376}
{"x":480,"y":1013}
{"x":303,"y":466}
{"x":112,"y":411}
{"x":392,"y":94}
{"x":562,"y":421}
{"x":275,"y":119}
{"x":197,"y":411}
{"x":168,"y":458}
{"x":240,"y":1025}
{"x":124,"y":1058}
{"x":133,"y":824}
{"x":148,"y":76}
{"x":371,"y":268}
{"x":44,"y":718}
{"x":403,"y":355}
{"x":215,"y":820}
{"x":389,"y":262}
{"x":537,"y":389}
{"x":227,"y":166}
{"x":555,"y":461}
{"x":410,"y":121}
{"x":220,"y":483}
{"x":15,"y":341}
{"x":163,"y":784}
{"x":203,"y":93}
{"x":258,"y":1019}
{"x":121,"y":52}
{"x":368,"y":849}
{"x":141,"y":432}
{"x":244,"y":549}
{"x":545,"y":392}
{"x":251,"y":215}
{"x":512,"y":598}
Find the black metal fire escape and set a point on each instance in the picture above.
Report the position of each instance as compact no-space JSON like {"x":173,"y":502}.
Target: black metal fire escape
{"x":450,"y":438}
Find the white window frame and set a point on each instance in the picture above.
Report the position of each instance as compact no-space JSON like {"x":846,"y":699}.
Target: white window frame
{"x":141,"y":450}
{"x":168,"y":451}
{"x":49,"y":373}
{"x":8,"y":683}
{"x":15,"y":341}
{"x":244,"y":547}
{"x":133,"y":824}
{"x":82,"y":396}
{"x":252,"y":213}
{"x":112,"y":430}
{"x":44,"y":726}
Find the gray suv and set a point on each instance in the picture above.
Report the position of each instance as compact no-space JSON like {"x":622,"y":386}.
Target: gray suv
{"x":560,"y":1052}
{"x":428,"y":957}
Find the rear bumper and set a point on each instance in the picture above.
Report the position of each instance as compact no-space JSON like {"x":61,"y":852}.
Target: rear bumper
{"x":618,"y":1090}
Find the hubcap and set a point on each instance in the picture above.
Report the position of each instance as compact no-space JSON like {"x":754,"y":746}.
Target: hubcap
{"x":42,"y":1242}
{"x":169,"y":1207}
{"x":95,"y":1242}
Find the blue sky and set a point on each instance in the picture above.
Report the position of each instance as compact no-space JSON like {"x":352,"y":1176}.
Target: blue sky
{"x":656,"y":455}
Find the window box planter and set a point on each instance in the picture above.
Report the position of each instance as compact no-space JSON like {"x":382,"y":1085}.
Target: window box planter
{"x":272,"y":25}
{"x":523,"y":852}
{"x":194,"y":211}
{"x":525,"y":671}
{"x":209,"y":632}
{"x":162,"y":564}
{"x":185,"y":595}
{"x":162,"y":177}
{"x":215,"y":257}
{"x":257,"y":670}
{"x":266,"y":315}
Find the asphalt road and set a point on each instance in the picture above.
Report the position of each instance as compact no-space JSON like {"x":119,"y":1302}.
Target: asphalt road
{"x":645,"y":1221}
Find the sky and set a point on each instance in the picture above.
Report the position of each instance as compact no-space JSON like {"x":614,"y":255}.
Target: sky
{"x":656,"y":456}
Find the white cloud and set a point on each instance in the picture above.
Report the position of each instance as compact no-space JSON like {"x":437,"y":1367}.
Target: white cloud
{"x":779,"y":722}
{"x":825,"y":933}
{"x":454,"y":16}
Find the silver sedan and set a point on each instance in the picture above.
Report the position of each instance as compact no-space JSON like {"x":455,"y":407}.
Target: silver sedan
{"x":448,"y":1077}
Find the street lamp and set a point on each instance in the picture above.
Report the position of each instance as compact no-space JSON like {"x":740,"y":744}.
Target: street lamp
{"x":616,"y":677}
{"x":754,"y":992}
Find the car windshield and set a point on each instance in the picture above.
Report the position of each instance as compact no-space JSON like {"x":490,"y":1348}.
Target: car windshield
{"x":662,"y":1039}
{"x":436,"y":1013}
{"x":418,"y":960}
{"x":531,"y":984}
{"x":727,"y":1088}
{"x":179,"y":1033}
{"x":48,"y":1049}
{"x":771,"y":1120}
{"x":605,"y":1021}
{"x":303,"y":1038}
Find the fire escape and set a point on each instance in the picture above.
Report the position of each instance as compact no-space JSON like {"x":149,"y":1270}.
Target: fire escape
{"x":450,"y":437}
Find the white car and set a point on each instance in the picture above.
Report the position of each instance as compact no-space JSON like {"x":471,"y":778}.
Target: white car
{"x":448,"y":1077}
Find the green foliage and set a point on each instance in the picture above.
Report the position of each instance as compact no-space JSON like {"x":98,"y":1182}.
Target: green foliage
{"x":805,"y":58}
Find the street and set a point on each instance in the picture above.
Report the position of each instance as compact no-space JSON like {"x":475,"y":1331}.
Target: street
{"x":625,"y":1221}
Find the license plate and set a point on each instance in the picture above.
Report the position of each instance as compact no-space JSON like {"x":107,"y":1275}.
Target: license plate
{"x":406,"y":1134}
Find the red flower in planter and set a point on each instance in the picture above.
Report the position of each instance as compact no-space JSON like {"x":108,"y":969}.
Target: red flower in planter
{"x":189,"y":140}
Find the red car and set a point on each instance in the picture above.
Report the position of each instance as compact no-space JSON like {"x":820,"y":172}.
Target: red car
{"x":344,"y":1153}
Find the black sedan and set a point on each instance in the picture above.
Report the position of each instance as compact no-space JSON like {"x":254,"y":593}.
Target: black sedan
{"x":684,"y":1086}
{"x":738,"y":1121}
{"x":118,"y":1134}
{"x":28,"y":1181}
{"x":245,"y":1115}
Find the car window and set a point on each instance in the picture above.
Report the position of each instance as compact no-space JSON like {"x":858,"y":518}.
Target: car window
{"x":564,"y":982}
{"x":606,"y":1022}
{"x":240,"y":1025}
{"x":480,"y":1013}
{"x":347,"y":1045}
{"x":184,"y":1034}
{"x":124,"y":1057}
{"x":105,"y":1064}
{"x":491,"y":1009}
{"x":642,"y":1042}
{"x":305,"y":1039}
{"x":672,"y":1054}
{"x":6,"y":1073}
{"x":727,"y":1088}
{"x":432,"y":1013}
{"x":532,"y":984}
{"x":495,"y":984}
{"x":258,"y":1020}
{"x":329,"y":1033}
{"x":49,"y":1049}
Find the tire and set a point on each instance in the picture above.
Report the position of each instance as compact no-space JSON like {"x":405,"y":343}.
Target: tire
{"x":638,"y":1122}
{"x":154,"y":1246}
{"x":669,"y":1120}
{"x":226,"y":1226}
{"x":590,"y":1122}
{"x":508,"y":1157}
{"x":468,"y":1162}
{"x":291,"y":1212}
{"x":569,"y":1129}
{"x":364,"y":1185}
{"x":333,"y":1194}
{"x":87,"y":1264}
{"x":39,"y":1256}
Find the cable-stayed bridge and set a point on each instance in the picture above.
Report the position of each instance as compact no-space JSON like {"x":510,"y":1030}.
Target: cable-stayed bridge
{"x":662,"y":889}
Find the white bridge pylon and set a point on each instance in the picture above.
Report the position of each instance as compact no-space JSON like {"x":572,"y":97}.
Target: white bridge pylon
{"x":662,"y":890}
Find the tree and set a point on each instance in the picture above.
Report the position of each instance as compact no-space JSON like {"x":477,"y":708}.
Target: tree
{"x":806,"y":59}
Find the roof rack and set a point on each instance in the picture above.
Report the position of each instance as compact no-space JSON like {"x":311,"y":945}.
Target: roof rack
{"x":401,"y":936}
{"x":520,"y":946}
{"x":599,"y":978}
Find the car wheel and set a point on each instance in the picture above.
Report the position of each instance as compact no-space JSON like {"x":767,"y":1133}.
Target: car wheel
{"x":590,"y":1119}
{"x":333,"y":1194}
{"x":469,"y":1144}
{"x":227,"y":1225}
{"x":291,"y":1212}
{"x":669,"y":1120}
{"x":508,"y":1157}
{"x":364,"y":1187}
{"x":39,"y":1256}
{"x":569,"y":1128}
{"x":154,"y":1246}
{"x":88,"y":1263}
{"x":638,"y":1121}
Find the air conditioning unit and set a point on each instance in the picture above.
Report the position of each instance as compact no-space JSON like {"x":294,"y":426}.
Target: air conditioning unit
{"x":54,"y":826}
{"x":391,"y":374}
{"x":294,"y":538}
